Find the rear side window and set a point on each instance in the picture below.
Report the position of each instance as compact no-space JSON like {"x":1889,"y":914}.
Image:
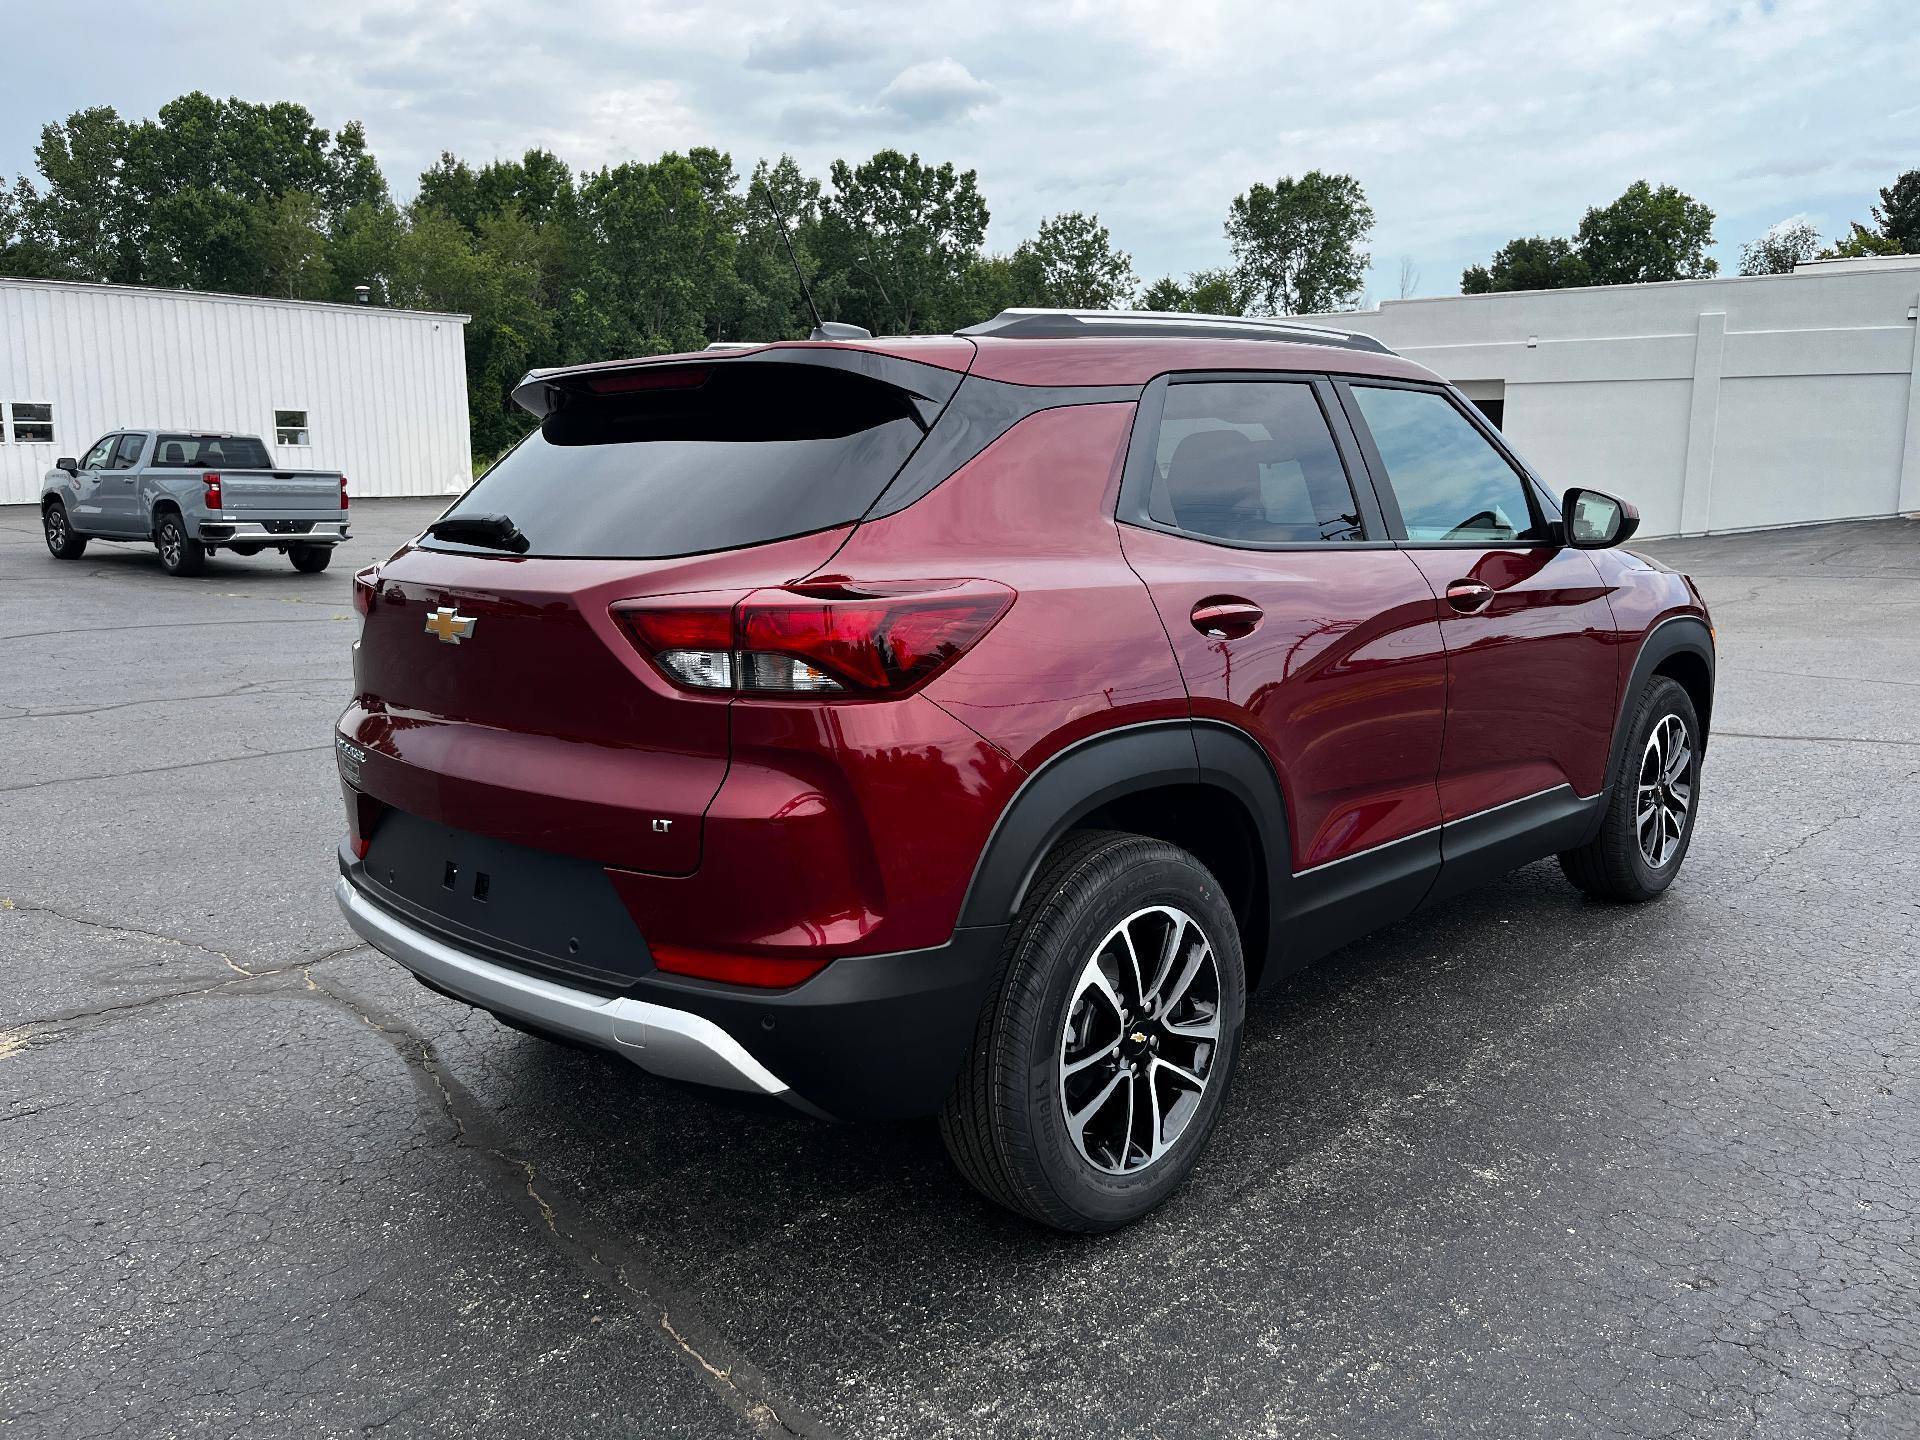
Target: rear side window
{"x":209,"y":452}
{"x":1450,"y":482}
{"x":1250,"y":462}
{"x":698,"y":459}
{"x":127,"y":453}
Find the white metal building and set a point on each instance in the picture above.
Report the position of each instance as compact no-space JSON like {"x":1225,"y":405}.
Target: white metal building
{"x":1725,"y":404}
{"x":378,"y":394}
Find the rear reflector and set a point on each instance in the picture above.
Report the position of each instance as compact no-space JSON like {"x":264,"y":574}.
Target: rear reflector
{"x":825,"y":639}
{"x":752,"y":970}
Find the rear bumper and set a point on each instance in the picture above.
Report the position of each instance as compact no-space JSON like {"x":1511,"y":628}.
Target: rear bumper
{"x":869,"y":1037}
{"x":664,"y":1041}
{"x":260,"y":532}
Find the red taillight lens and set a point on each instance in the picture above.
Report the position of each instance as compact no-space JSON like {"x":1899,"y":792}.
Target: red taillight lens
{"x":872,"y":643}
{"x":212,"y":497}
{"x":366,"y":589}
{"x":826,"y":640}
{"x":343,"y":492}
{"x":736,"y":969}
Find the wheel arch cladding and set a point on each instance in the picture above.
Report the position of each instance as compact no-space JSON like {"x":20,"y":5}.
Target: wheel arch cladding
{"x":1206,"y":788}
{"x":1680,"y":648}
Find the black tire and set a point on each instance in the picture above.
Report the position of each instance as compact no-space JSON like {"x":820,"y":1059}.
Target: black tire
{"x":248,"y":550}
{"x":62,"y":543}
{"x":180,"y":554}
{"x":1006,"y":1125}
{"x":1631,"y":860}
{"x":310,"y":559}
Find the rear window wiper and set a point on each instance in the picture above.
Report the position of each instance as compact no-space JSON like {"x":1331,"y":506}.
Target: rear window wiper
{"x":494,"y":532}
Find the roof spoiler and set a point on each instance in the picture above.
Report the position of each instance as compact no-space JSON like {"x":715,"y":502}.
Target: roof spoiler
{"x":1025,"y":324}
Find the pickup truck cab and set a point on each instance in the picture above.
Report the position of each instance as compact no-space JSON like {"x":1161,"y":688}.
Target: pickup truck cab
{"x":191,"y":493}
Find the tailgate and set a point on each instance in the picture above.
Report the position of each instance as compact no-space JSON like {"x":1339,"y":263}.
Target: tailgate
{"x":277,"y":492}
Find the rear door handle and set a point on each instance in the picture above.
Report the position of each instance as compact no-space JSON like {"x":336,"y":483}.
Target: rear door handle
{"x":1226,"y":617}
{"x":1467,"y":596}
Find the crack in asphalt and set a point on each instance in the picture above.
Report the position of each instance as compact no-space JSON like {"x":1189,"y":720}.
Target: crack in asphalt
{"x":594,"y":1252}
{"x":163,"y":769}
{"x":169,"y":625}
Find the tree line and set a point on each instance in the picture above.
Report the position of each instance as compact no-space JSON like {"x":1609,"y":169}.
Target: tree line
{"x":645,"y":257}
{"x":1660,"y":233}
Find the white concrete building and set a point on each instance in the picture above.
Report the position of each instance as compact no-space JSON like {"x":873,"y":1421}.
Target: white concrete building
{"x":1713,"y":405}
{"x":378,"y":394}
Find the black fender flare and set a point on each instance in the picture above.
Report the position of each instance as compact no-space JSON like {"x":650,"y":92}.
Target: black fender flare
{"x":1677,"y":634}
{"x":1076,"y":781}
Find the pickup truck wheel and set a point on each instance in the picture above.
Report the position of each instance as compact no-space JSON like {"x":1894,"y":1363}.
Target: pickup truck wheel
{"x":1099,"y":1064}
{"x":310,"y":559}
{"x":62,"y":543}
{"x":179,"y":553}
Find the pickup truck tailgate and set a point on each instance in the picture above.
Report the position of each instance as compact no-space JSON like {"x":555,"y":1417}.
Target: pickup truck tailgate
{"x":263,"y":492}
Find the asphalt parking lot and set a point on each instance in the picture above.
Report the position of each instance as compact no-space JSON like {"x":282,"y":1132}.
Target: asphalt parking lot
{"x":1522,"y":1165}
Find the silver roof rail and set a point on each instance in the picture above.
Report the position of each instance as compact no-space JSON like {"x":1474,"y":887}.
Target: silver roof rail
{"x":1026,"y":324}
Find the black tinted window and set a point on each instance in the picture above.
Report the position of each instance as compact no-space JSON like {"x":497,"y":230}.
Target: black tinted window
{"x":127,"y":453}
{"x":749,"y":453}
{"x":210,"y":452}
{"x":1251,"y":462}
{"x":1450,"y":482}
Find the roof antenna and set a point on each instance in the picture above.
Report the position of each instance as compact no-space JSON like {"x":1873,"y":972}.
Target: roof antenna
{"x":793,"y":259}
{"x":822,"y":330}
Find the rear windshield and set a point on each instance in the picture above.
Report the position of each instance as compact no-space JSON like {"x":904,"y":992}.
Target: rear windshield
{"x":203,"y":452}
{"x":718,"y":457}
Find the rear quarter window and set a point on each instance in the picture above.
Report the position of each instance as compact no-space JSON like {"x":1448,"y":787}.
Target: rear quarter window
{"x":715,"y":458}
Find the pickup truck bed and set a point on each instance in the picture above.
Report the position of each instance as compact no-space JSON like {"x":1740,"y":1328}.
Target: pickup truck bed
{"x":191,"y":494}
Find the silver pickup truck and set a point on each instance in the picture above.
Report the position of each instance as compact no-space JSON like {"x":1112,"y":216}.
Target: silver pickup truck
{"x":191,"y":493}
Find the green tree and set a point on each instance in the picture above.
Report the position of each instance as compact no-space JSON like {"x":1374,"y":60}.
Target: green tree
{"x":80,"y":212}
{"x":1537,"y":262}
{"x":1860,"y":242}
{"x":767,"y":303}
{"x":1898,"y":212}
{"x":1780,"y":249}
{"x":1077,"y":266}
{"x":662,"y":244}
{"x":1297,"y":244}
{"x":288,"y":239}
{"x":1205,"y":292}
{"x":1647,"y":235}
{"x":903,"y":235}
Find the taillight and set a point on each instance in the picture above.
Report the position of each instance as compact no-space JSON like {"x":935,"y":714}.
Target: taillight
{"x":829,"y":639}
{"x":366,"y":590}
{"x":343,"y":492}
{"x":212,"y":497}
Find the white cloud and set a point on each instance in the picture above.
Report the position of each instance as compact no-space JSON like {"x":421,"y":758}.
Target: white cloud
{"x":935,"y":90}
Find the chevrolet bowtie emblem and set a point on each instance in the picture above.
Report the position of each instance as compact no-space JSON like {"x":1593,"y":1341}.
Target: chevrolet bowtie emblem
{"x":1139,"y":1037}
{"x":449,"y":625}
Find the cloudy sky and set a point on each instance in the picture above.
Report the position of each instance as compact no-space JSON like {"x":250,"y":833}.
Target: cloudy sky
{"x":1467,"y":121}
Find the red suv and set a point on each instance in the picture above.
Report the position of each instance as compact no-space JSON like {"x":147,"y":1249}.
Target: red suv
{"x":967,"y":725}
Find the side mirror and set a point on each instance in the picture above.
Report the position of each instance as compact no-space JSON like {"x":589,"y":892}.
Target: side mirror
{"x":68,"y":464}
{"x":1597,"y":521}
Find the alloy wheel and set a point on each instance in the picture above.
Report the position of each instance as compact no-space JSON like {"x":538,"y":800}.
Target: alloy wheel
{"x":1665,"y":796}
{"x":170,"y":544}
{"x":56,"y":523}
{"x":1138,"y":1047}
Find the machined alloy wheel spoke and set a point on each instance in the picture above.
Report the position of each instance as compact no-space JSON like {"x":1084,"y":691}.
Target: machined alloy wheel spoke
{"x":1151,"y":1033}
{"x":1664,"y":795}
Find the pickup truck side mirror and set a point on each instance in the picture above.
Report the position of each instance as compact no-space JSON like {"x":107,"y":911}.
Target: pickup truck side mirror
{"x":68,"y":464}
{"x":1596,"y":520}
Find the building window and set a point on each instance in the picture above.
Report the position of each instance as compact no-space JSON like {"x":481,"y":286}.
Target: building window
{"x":290,"y":427}
{"x":32,"y":424}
